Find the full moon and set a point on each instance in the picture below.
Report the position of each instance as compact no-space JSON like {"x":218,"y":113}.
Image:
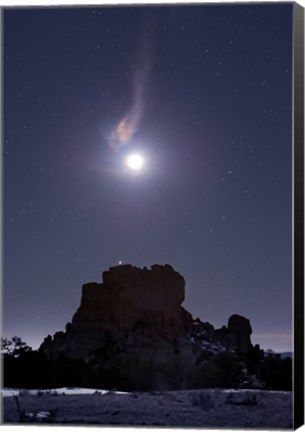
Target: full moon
{"x":135,"y":162}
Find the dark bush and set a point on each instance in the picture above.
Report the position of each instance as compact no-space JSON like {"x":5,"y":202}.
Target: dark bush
{"x":29,"y":370}
{"x":221,"y":370}
{"x":277,"y":372}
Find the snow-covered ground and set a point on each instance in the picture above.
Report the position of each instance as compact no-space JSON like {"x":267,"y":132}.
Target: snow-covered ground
{"x":208,"y":408}
{"x":58,"y":391}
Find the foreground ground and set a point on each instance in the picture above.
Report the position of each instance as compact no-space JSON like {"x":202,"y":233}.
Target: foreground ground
{"x":193,"y":408}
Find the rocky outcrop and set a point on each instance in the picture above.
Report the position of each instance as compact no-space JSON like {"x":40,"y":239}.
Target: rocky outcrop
{"x":133,"y":304}
{"x":129,"y":294}
{"x":236,"y":336}
{"x":132,"y":331}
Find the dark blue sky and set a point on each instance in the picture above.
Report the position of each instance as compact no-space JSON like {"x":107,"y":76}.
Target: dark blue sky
{"x":209,"y":89}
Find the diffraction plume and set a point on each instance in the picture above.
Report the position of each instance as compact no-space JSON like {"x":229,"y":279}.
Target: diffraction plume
{"x":129,"y":124}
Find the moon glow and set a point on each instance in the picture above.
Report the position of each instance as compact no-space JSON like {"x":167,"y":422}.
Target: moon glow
{"x":135,"y":162}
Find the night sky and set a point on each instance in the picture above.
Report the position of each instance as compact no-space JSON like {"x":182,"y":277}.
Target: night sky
{"x":204,"y":95}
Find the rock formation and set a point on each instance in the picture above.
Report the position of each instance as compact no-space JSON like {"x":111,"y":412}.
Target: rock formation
{"x":129,"y":294}
{"x":238,"y":334}
{"x":131,"y":331}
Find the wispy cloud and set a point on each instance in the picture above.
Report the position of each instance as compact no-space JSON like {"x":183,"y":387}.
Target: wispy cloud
{"x":281,"y":341}
{"x":129,"y":124}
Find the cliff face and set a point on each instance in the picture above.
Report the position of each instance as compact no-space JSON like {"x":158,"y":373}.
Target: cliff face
{"x":133,"y":321}
{"x":129,"y":294}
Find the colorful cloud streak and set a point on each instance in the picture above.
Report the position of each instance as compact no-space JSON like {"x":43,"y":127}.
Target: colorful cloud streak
{"x":129,"y":124}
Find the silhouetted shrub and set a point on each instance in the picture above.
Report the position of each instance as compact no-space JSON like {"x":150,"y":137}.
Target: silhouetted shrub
{"x":66,"y":372}
{"x":221,"y":370}
{"x":30,"y":369}
{"x":277,"y":372}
